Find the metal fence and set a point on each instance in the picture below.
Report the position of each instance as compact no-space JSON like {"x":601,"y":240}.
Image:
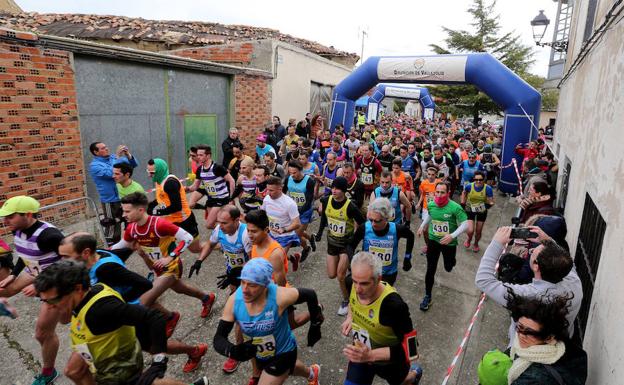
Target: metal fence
{"x":80,"y":214}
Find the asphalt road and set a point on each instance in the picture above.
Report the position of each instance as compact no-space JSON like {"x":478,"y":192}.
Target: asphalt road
{"x":440,"y":330}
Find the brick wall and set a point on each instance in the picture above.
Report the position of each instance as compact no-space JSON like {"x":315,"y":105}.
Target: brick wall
{"x":236,"y":53}
{"x":40,"y":151}
{"x":253,"y":108}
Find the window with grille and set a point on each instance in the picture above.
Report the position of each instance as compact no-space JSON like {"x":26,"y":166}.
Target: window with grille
{"x":587,"y":259}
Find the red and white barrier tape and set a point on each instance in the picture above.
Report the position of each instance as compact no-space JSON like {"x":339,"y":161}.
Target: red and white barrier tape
{"x":462,"y":345}
{"x":515,"y":164}
{"x":153,"y":189}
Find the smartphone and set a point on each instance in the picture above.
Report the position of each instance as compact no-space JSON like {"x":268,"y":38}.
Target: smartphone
{"x":412,"y":348}
{"x":522,"y":233}
{"x":515,"y":221}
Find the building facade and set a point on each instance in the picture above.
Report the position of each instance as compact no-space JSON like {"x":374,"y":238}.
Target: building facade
{"x":591,"y":177}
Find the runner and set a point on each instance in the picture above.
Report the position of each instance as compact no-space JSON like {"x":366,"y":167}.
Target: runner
{"x":403,"y":180}
{"x":261,"y":173}
{"x":381,"y":327}
{"x":259,"y":307}
{"x":122,"y":174}
{"x":339,"y":151}
{"x":445,"y":221}
{"x":108,"y":268}
{"x":491,"y":164}
{"x":171,"y":201}
{"x":36,"y":245}
{"x":236,"y":245}
{"x":310,"y":169}
{"x":426,"y":193}
{"x":476,"y":199}
{"x":262,"y":148}
{"x":283,"y":218}
{"x":444,"y":164}
{"x":105,"y":331}
{"x":381,"y":238}
{"x":301,"y":189}
{"x":355,"y":187}
{"x":331,"y":170}
{"x":156,"y":237}
{"x":216,"y":181}
{"x":275,"y":169}
{"x":468,"y":168}
{"x":396,"y":197}
{"x":385,"y":157}
{"x":352,"y":144}
{"x":246,"y":187}
{"x":339,"y":213}
{"x":368,"y":169}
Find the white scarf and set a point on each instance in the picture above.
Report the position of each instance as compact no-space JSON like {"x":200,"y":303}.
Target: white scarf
{"x":541,"y":354}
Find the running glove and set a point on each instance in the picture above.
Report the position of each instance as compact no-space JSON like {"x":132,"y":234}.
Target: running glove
{"x":195,"y":268}
{"x":318,"y":237}
{"x":243,"y":352}
{"x":231,"y":278}
{"x":314,"y":333}
{"x":407,"y":264}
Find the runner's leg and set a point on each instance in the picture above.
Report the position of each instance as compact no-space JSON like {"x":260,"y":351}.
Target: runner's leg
{"x":211,"y":217}
{"x":343,"y":266}
{"x":477,"y":237}
{"x":45,"y":334}
{"x":161,"y":284}
{"x":77,"y":370}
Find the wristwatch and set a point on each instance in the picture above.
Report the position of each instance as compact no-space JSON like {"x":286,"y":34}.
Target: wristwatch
{"x":159,"y":358}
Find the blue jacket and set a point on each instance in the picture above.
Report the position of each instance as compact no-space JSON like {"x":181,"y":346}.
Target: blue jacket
{"x":101,"y":171}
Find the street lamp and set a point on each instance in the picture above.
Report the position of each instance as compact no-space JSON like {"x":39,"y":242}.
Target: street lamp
{"x":539,"y":24}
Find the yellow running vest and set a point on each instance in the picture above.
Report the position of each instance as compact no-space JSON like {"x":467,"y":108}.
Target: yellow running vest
{"x":163,"y":200}
{"x":339,"y":224}
{"x":112,"y":357}
{"x":476,"y":200}
{"x":365,"y":324}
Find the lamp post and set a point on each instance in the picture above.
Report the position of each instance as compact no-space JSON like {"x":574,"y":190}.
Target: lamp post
{"x":539,"y":24}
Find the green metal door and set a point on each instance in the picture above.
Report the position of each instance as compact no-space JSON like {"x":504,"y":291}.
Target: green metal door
{"x":201,"y":129}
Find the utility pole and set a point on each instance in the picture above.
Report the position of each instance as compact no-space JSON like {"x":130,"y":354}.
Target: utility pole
{"x":364,"y":34}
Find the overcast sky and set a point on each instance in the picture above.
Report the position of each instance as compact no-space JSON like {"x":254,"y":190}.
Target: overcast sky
{"x":395,"y":27}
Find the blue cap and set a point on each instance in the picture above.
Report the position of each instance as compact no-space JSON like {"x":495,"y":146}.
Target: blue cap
{"x":258,"y":271}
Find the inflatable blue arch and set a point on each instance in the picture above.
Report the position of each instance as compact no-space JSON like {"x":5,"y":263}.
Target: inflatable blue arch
{"x":519,"y":100}
{"x":400,"y":92}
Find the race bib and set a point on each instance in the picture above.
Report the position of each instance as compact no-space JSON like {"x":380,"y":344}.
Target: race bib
{"x":298,"y":197}
{"x":153,"y":252}
{"x":337,"y":228}
{"x":274,"y":225}
{"x":360,"y":335}
{"x":210,"y":188}
{"x":233,"y":259}
{"x":440,"y":228}
{"x":477,"y":207}
{"x":83,"y":350}
{"x":265,"y":346}
{"x":367,"y":179}
{"x":33,"y":267}
{"x":384,"y":254}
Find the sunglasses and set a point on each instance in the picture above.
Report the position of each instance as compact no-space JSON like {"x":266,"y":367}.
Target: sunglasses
{"x":377,"y":220}
{"x":478,"y":180}
{"x":53,"y":301}
{"x":527,"y":331}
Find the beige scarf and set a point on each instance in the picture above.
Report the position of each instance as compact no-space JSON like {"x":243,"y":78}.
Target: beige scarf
{"x":541,"y":354}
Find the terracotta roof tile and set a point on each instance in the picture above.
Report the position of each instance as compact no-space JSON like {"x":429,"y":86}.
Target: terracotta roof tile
{"x":120,"y":28}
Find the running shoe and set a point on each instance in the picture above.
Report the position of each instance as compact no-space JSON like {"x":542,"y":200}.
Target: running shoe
{"x":253,"y":381}
{"x":172,"y":323}
{"x":305,"y":253}
{"x":419,"y":372}
{"x":207,"y":305}
{"x":476,"y":248}
{"x":295,"y":259}
{"x":343,"y":310}
{"x":426,"y":302}
{"x":45,"y":380}
{"x":195,"y":358}
{"x":201,"y":381}
{"x":316,"y":371}
{"x":467,"y":244}
{"x":7,"y":310}
{"x":313,"y":243}
{"x":230,"y":365}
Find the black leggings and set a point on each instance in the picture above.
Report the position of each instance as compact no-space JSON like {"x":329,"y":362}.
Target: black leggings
{"x":433,"y":255}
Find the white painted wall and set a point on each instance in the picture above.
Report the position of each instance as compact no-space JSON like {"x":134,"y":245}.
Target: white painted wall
{"x":294,"y":71}
{"x":589,"y":130}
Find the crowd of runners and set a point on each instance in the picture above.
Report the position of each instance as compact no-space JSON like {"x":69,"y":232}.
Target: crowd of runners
{"x":368,"y":188}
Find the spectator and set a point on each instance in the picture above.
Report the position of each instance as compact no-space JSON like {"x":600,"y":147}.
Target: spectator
{"x":539,"y":201}
{"x":542,"y":353}
{"x":101,"y":171}
{"x":317,"y":126}
{"x":552,"y":267}
{"x":303,"y":129}
{"x":229,"y":142}
{"x":280,"y":130}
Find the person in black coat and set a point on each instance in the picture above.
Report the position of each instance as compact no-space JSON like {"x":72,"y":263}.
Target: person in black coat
{"x":227,"y":145}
